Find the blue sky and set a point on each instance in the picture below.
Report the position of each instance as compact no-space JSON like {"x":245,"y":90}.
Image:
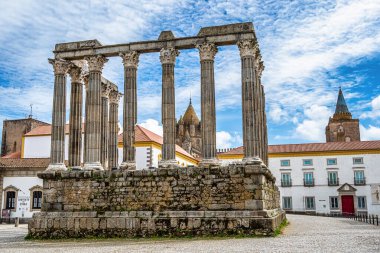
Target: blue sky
{"x":309,"y":48}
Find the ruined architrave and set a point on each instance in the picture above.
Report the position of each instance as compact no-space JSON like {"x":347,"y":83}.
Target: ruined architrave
{"x":209,"y":199}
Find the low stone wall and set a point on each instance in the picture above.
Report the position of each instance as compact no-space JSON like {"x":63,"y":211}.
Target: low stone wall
{"x":230,"y":199}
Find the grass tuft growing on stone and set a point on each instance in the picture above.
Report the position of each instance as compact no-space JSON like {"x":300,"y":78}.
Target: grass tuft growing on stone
{"x":280,"y":228}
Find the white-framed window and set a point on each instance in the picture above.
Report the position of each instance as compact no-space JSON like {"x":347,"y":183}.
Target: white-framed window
{"x":334,"y":204}
{"x":331,"y":161}
{"x":332,"y":178}
{"x":359,"y":178}
{"x":362,"y":202}
{"x":286,"y":180}
{"x":310,"y":203}
{"x":10,"y":200}
{"x":357,"y":160}
{"x":37,"y":199}
{"x":307,"y":162}
{"x":308,"y":178}
{"x":287,"y":203}
{"x":285,"y":163}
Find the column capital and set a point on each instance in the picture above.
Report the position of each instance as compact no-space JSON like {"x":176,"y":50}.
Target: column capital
{"x":105,"y":90}
{"x":130,"y":58}
{"x":248,"y":48}
{"x":60,"y":66}
{"x":260,"y":67}
{"x":75,"y":73}
{"x":207,"y":51}
{"x":168,"y":55}
{"x":115,"y":97}
{"x":96,"y":63}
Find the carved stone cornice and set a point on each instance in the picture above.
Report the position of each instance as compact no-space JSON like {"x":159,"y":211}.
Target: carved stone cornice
{"x":106,"y":89}
{"x":115,"y":96}
{"x":168,"y":55}
{"x":96,"y":63}
{"x":60,"y":66}
{"x":248,"y":48}
{"x":207,"y":51}
{"x":75,"y":73}
{"x":130,"y":59}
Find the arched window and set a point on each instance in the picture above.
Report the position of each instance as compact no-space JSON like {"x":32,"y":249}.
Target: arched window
{"x":10,"y":201}
{"x":35,"y":198}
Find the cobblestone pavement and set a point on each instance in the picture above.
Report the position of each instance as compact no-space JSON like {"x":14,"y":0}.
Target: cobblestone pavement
{"x":304,"y":234}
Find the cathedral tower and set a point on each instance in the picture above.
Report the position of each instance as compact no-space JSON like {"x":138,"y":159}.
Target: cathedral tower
{"x":342,"y":127}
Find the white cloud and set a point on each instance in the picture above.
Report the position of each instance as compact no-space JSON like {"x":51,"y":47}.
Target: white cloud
{"x":277,"y":114}
{"x":152,"y":125}
{"x":375,"y":109}
{"x":370,"y":133}
{"x":313,"y":127}
{"x":226,"y":140}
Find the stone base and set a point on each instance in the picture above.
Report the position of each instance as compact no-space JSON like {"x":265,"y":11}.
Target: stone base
{"x":205,"y":163}
{"x":128,"y":166}
{"x":56,"y":167}
{"x":93,"y":166}
{"x":252,"y":160}
{"x":148,"y":223}
{"x":168,"y":164}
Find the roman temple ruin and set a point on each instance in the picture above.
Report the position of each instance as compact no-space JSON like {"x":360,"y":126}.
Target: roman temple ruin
{"x":102,"y":198}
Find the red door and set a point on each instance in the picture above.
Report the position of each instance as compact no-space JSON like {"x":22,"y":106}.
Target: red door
{"x":348,"y":204}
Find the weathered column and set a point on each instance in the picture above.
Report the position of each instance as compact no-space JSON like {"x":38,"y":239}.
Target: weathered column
{"x":104,"y":126}
{"x":113,"y":129}
{"x":85,"y":80}
{"x":75,"y":133}
{"x":57,"y":152}
{"x":167,"y":58}
{"x":130,"y":61}
{"x":94,"y":108}
{"x":207,"y":53}
{"x":248,"y":50}
{"x":264,"y":131}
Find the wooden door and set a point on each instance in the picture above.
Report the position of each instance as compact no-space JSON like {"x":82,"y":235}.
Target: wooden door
{"x":348,"y":204}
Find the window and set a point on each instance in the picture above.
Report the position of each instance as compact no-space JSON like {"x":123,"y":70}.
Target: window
{"x":285,"y":162}
{"x":307,"y":162}
{"x":359,"y":178}
{"x":310,"y":203}
{"x":334,"y":203}
{"x":286,"y":180}
{"x":287,"y":203}
{"x":10,"y":200}
{"x":362,"y":202}
{"x":331,"y":161}
{"x":37,"y":199}
{"x":333,"y":178}
{"x":308,"y":179}
{"x":358,"y":160}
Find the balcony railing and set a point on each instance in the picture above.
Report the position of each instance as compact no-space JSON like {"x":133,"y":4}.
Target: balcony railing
{"x":333,"y":182}
{"x":308,"y":182}
{"x":286,"y":183}
{"x":359,"y":181}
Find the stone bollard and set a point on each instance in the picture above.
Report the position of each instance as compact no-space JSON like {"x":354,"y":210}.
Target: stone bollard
{"x":17,"y":221}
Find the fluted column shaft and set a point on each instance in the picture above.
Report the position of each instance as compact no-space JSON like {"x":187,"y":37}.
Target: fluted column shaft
{"x":57,"y":152}
{"x":250,"y":102}
{"x":207,"y":53}
{"x":94,"y":109}
{"x":168,"y":57}
{"x":113,"y":129}
{"x":130,"y":61}
{"x":75,"y":133}
{"x":104,"y":126}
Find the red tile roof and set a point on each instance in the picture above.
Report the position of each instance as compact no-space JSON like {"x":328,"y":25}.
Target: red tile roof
{"x":24,"y":162}
{"x":141,"y":135}
{"x":315,"y":147}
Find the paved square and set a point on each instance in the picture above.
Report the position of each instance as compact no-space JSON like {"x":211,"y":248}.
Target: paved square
{"x":304,"y":234}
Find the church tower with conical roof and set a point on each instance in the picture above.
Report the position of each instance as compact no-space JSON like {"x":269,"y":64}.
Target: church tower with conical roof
{"x":189,"y":135}
{"x":342,"y":127}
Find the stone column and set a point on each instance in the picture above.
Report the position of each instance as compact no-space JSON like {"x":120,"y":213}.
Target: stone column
{"x":94,"y":108}
{"x":113,"y":129}
{"x":57,"y":152}
{"x":167,"y":58}
{"x":85,"y":80}
{"x":207,"y":53}
{"x":75,"y":133}
{"x":130,"y":61}
{"x":264,"y":131}
{"x":104,"y":126}
{"x":248,"y":50}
